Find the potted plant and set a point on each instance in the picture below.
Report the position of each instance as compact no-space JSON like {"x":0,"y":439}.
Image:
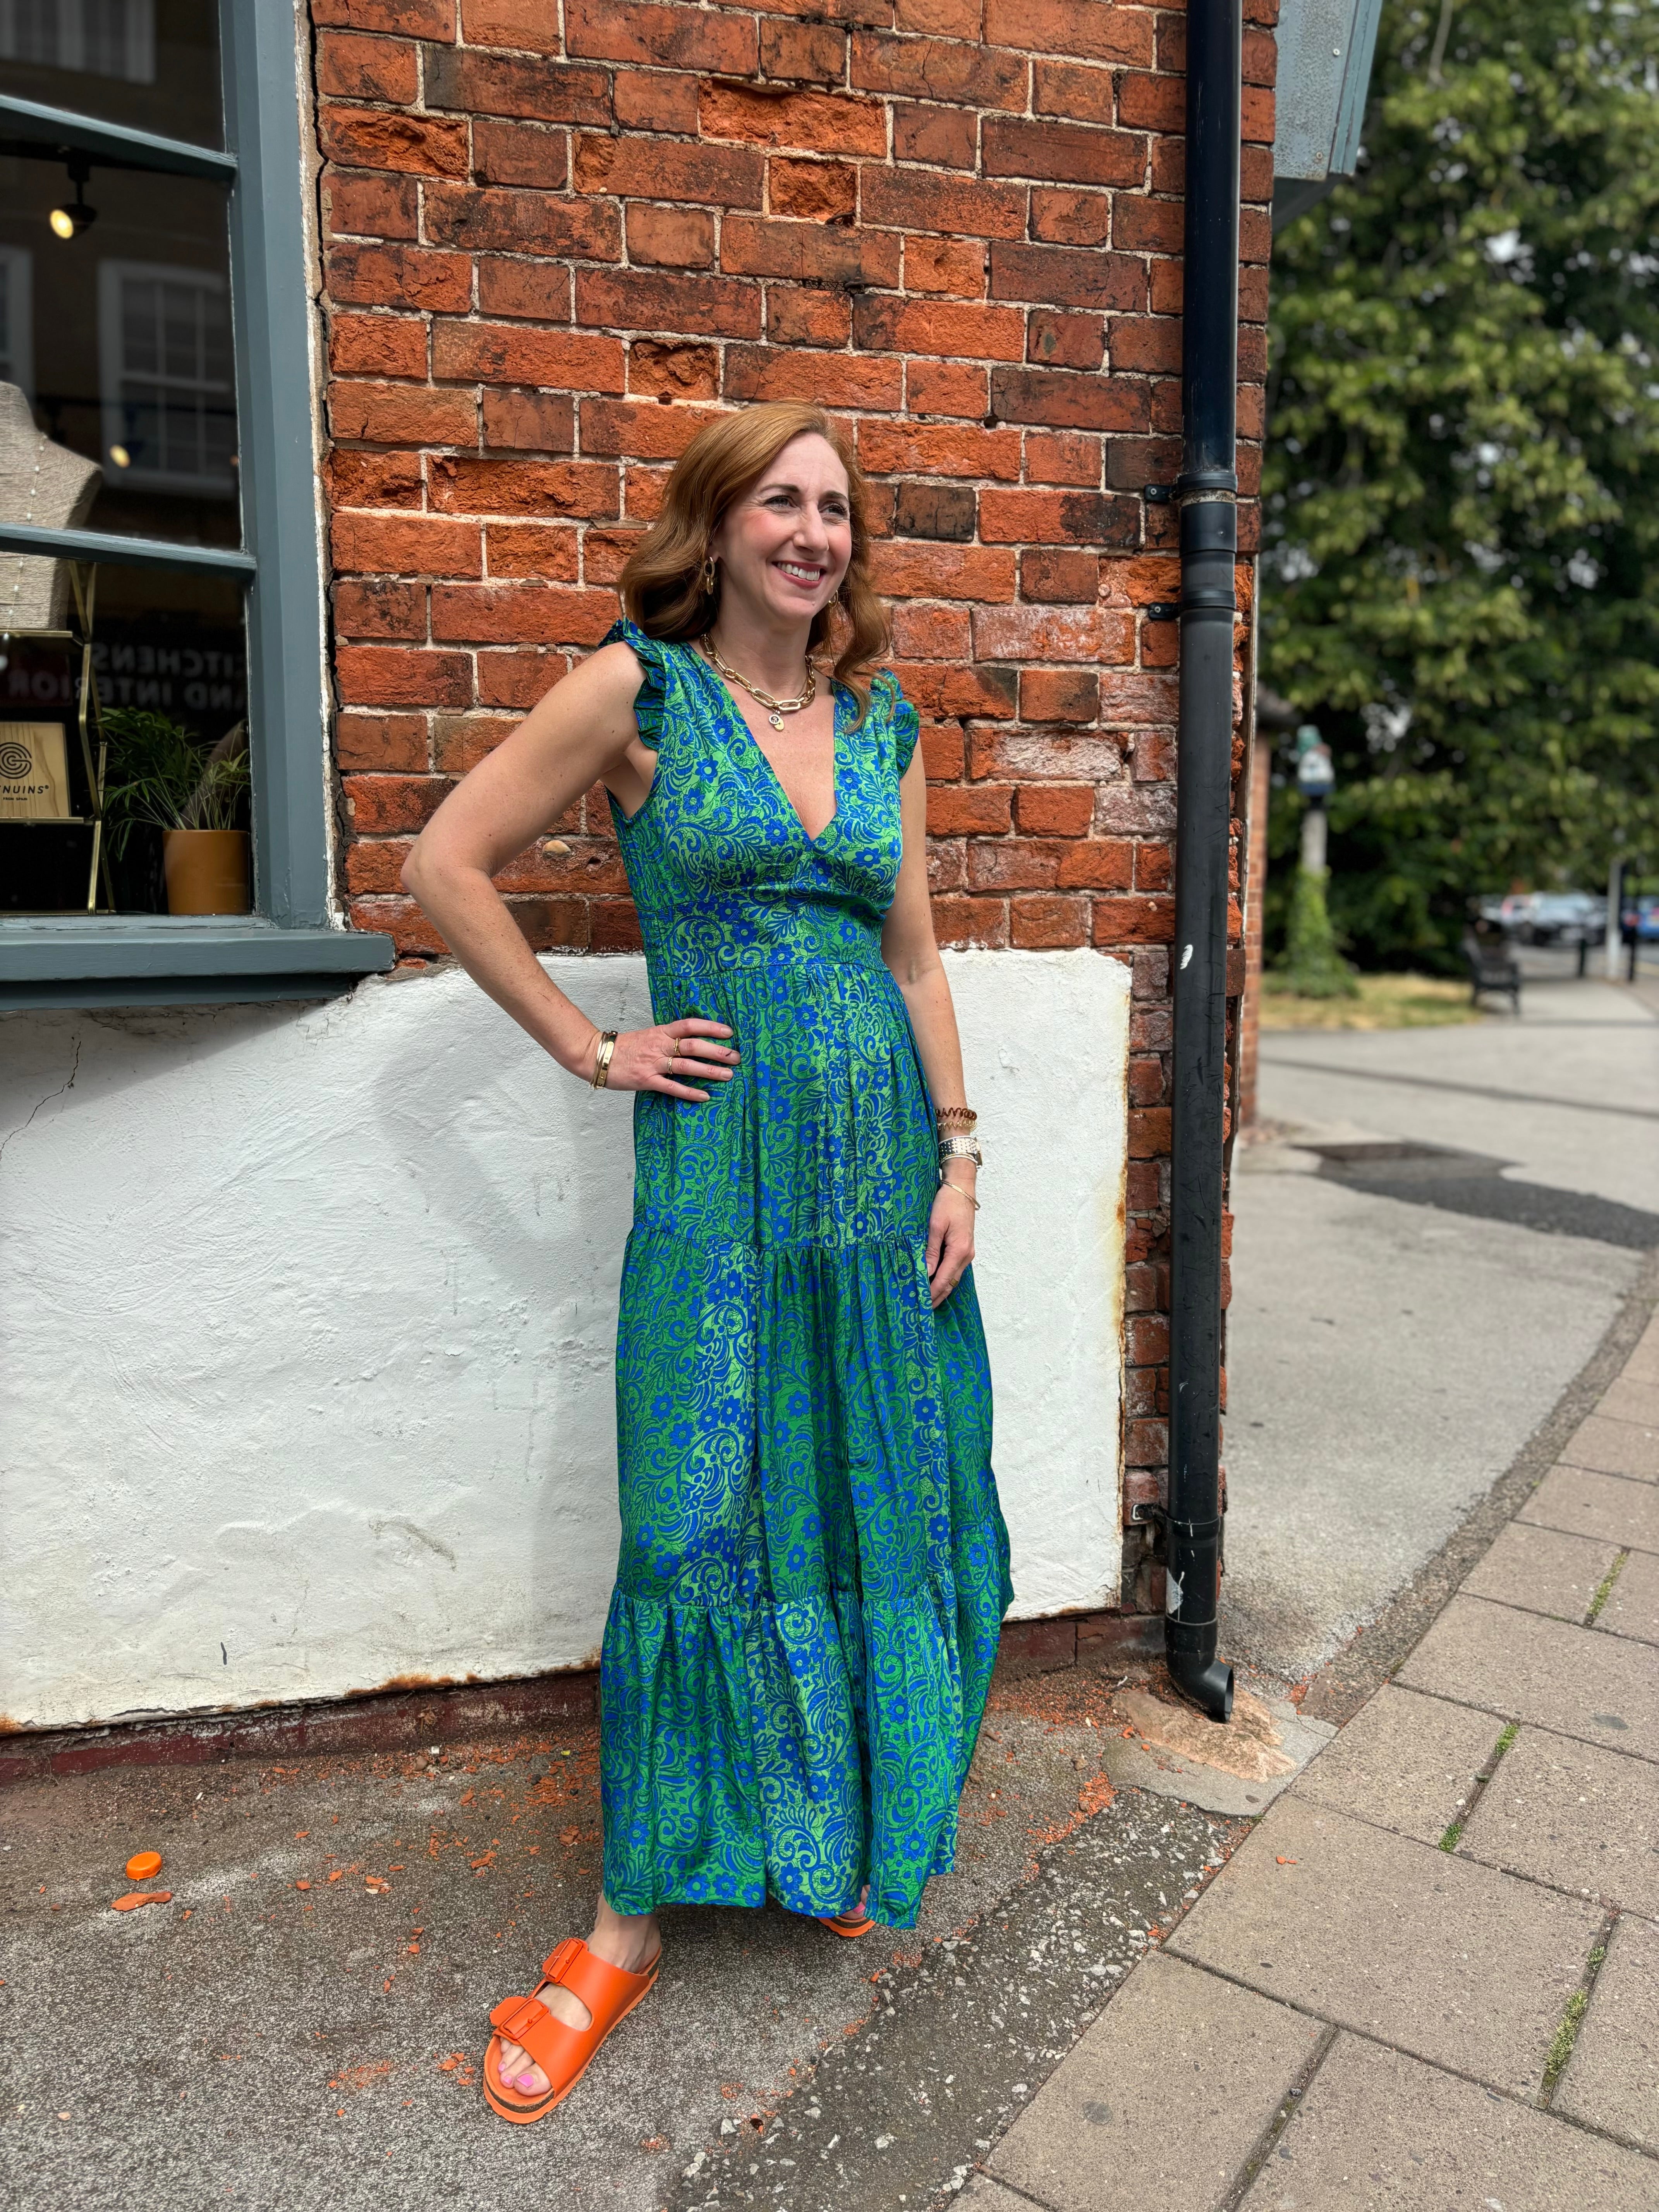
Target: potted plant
{"x":159,"y":775}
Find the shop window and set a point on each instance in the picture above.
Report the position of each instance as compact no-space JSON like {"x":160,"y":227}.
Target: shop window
{"x":160,"y":597}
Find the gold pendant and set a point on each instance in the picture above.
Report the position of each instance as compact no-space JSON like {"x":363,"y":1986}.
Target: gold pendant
{"x":776,"y":720}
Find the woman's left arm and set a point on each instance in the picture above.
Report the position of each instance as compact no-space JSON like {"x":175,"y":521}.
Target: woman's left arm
{"x":907,"y":947}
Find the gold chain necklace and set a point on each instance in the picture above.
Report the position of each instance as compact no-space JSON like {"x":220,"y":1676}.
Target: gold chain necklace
{"x":777,"y":709}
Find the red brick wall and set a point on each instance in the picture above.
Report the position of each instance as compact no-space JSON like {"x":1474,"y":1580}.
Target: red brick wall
{"x":550,"y":250}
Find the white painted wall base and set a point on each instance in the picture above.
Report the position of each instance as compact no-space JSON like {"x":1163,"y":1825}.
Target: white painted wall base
{"x":309,"y":1320}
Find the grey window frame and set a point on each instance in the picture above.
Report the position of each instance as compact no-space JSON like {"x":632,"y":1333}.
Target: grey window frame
{"x":294,"y":947}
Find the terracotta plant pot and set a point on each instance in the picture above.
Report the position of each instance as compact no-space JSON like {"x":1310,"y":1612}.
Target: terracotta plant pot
{"x":207,"y":871}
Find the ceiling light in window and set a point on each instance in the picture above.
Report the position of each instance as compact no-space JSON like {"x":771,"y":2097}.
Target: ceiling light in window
{"x":120,"y":455}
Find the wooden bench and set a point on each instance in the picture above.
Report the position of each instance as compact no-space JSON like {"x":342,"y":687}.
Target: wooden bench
{"x":1492,"y":969}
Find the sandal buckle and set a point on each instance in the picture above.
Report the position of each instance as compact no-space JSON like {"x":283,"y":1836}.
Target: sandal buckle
{"x":515,"y":2016}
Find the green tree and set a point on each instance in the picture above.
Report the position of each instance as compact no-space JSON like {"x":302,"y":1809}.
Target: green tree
{"x":1461,"y":490}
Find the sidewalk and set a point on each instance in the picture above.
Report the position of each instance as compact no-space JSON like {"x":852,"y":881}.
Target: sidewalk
{"x":1431,"y":1976}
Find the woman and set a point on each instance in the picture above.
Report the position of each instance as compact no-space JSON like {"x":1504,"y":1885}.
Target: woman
{"x":814,"y":1564}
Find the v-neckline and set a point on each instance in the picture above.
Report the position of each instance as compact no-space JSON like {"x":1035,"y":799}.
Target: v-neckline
{"x":742,"y":720}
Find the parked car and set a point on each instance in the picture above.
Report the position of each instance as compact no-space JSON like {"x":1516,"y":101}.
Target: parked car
{"x":1641,"y":914}
{"x":1565,"y":918}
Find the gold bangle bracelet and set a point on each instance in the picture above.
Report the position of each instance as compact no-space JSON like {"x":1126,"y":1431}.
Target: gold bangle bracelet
{"x":607,"y":1045}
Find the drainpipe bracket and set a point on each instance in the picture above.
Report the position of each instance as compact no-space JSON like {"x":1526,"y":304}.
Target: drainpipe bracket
{"x":1162,"y":610}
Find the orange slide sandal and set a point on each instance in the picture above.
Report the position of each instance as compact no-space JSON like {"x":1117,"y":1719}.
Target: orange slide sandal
{"x":851,"y":1924}
{"x":563,"y":2053}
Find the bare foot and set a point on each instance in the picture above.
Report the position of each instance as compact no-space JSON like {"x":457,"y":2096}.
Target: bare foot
{"x":628,"y":1940}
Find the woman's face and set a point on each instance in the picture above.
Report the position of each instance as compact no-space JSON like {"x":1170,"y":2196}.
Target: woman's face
{"x":784,"y":547}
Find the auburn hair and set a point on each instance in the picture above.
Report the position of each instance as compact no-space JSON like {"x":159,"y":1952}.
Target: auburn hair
{"x":662,"y":585}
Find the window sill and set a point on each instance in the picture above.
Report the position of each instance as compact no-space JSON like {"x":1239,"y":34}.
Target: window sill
{"x":64,"y":960}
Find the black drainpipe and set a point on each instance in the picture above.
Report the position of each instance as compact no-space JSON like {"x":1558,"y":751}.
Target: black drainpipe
{"x":1206,"y":491}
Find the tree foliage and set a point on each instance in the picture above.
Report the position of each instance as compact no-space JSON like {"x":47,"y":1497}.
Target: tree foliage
{"x":1460,"y":513}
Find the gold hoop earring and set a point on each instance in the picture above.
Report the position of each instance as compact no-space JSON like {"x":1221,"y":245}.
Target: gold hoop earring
{"x":710,"y":578}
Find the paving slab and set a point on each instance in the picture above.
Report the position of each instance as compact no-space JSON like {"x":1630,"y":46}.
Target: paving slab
{"x":1406,"y":1761}
{"x":1544,"y":1569}
{"x":1463,"y":1966}
{"x":1377,"y":2129}
{"x":1611,"y":2079}
{"x":1608,"y":1506}
{"x":1198,"y":1775}
{"x":988,"y":2195}
{"x":1629,"y":1448}
{"x":1643,"y":1365}
{"x":1573,"y":1816}
{"x":1162,"y":2100}
{"x":1529,"y":1667}
{"x":1632,"y":1606}
{"x":1629,"y":1400}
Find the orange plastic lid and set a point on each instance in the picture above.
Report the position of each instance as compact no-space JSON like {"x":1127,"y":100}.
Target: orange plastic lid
{"x":143,"y":1864}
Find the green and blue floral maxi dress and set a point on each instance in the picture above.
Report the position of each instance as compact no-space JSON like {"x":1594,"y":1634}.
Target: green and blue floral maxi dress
{"x":814,"y":1564}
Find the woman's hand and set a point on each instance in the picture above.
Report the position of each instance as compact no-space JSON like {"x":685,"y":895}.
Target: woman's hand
{"x":672,"y":1059}
{"x":950,"y":1239}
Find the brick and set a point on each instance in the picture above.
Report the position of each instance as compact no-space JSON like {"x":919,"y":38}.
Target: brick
{"x":1058,"y":518}
{"x":669,"y":37}
{"x":906,"y":199}
{"x":383,"y":744}
{"x":1166,"y":288}
{"x":1151,"y":103}
{"x":1056,"y":754}
{"x":1064,"y":401}
{"x":1259,"y":59}
{"x":1148,"y":226}
{"x":403,"y":676}
{"x":925,"y":633}
{"x":528,"y":24}
{"x":604,"y":552}
{"x":1154,"y":867}
{"x":1149,"y":1126}
{"x":1040,"y":923}
{"x":807,"y":253}
{"x":519,"y":678}
{"x":1092,"y":31}
{"x":938,"y":387}
{"x":1056,"y":577}
{"x":833,"y":380}
{"x":641,"y":431}
{"x":1057,"y":341}
{"x":1147,"y":344}
{"x":807,"y":315}
{"x":495,"y":84}
{"x":384,"y":607}
{"x":654,"y":99}
{"x":719,"y":176}
{"x":942,"y":751}
{"x":945,"y":138}
{"x":486,"y":219}
{"x":402,"y":414}
{"x":1257,"y":115}
{"x":938,"y":449}
{"x":521,"y":154}
{"x":378,"y":804}
{"x":971,"y":921}
{"x":934,"y":510}
{"x":976,"y":690}
{"x":811,"y":53}
{"x":549,"y":925}
{"x":1073,"y":218}
{"x":462,"y":485}
{"x":367,"y":69}
{"x":530,"y":421}
{"x":1098,"y":864}
{"x":883,"y":325}
{"x":360,"y":478}
{"x":539,"y":291}
{"x":941,"y":264}
{"x":546,"y":552}
{"x":404,"y":922}
{"x":822,"y":122}
{"x":520,"y":614}
{"x":1057,"y":275}
{"x":406,"y":544}
{"x":946,"y":19}
{"x":1054,"y":809}
{"x":1069,"y":457}
{"x":1059,"y":695}
{"x":671,"y":237}
{"x":675,"y":371}
{"x":504,"y":353}
{"x":376,"y":868}
{"x":981,"y":573}
{"x":968,"y":811}
{"x":1060,"y":153}
{"x":416,"y":18}
{"x":1012,"y":864}
{"x":459,"y":741}
{"x":818,"y":191}
{"x":1084,"y":95}
{"x":614,"y":926}
{"x":398,"y":276}
{"x":939,"y":69}
{"x":366,"y":138}
{"x":711,"y":305}
{"x":368,"y":203}
{"x":1053,"y":633}
{"x":377,"y":345}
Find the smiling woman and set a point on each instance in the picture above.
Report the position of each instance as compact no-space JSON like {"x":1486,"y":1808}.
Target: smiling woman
{"x":814,"y":1564}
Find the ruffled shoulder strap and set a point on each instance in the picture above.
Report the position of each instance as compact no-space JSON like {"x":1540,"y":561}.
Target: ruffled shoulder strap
{"x":651,"y":700}
{"x":902,"y":717}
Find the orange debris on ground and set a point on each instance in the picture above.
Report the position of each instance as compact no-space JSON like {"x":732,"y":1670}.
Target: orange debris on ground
{"x":143,"y":1866}
{"x":135,"y":1898}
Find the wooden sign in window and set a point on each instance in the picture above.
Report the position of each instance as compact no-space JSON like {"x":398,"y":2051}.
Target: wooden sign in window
{"x":34,"y":773}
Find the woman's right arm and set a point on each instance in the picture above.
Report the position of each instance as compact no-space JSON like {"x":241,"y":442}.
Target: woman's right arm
{"x":582,"y":733}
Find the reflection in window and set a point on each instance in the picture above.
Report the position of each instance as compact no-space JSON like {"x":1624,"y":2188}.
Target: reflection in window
{"x":105,"y":38}
{"x":169,"y":413}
